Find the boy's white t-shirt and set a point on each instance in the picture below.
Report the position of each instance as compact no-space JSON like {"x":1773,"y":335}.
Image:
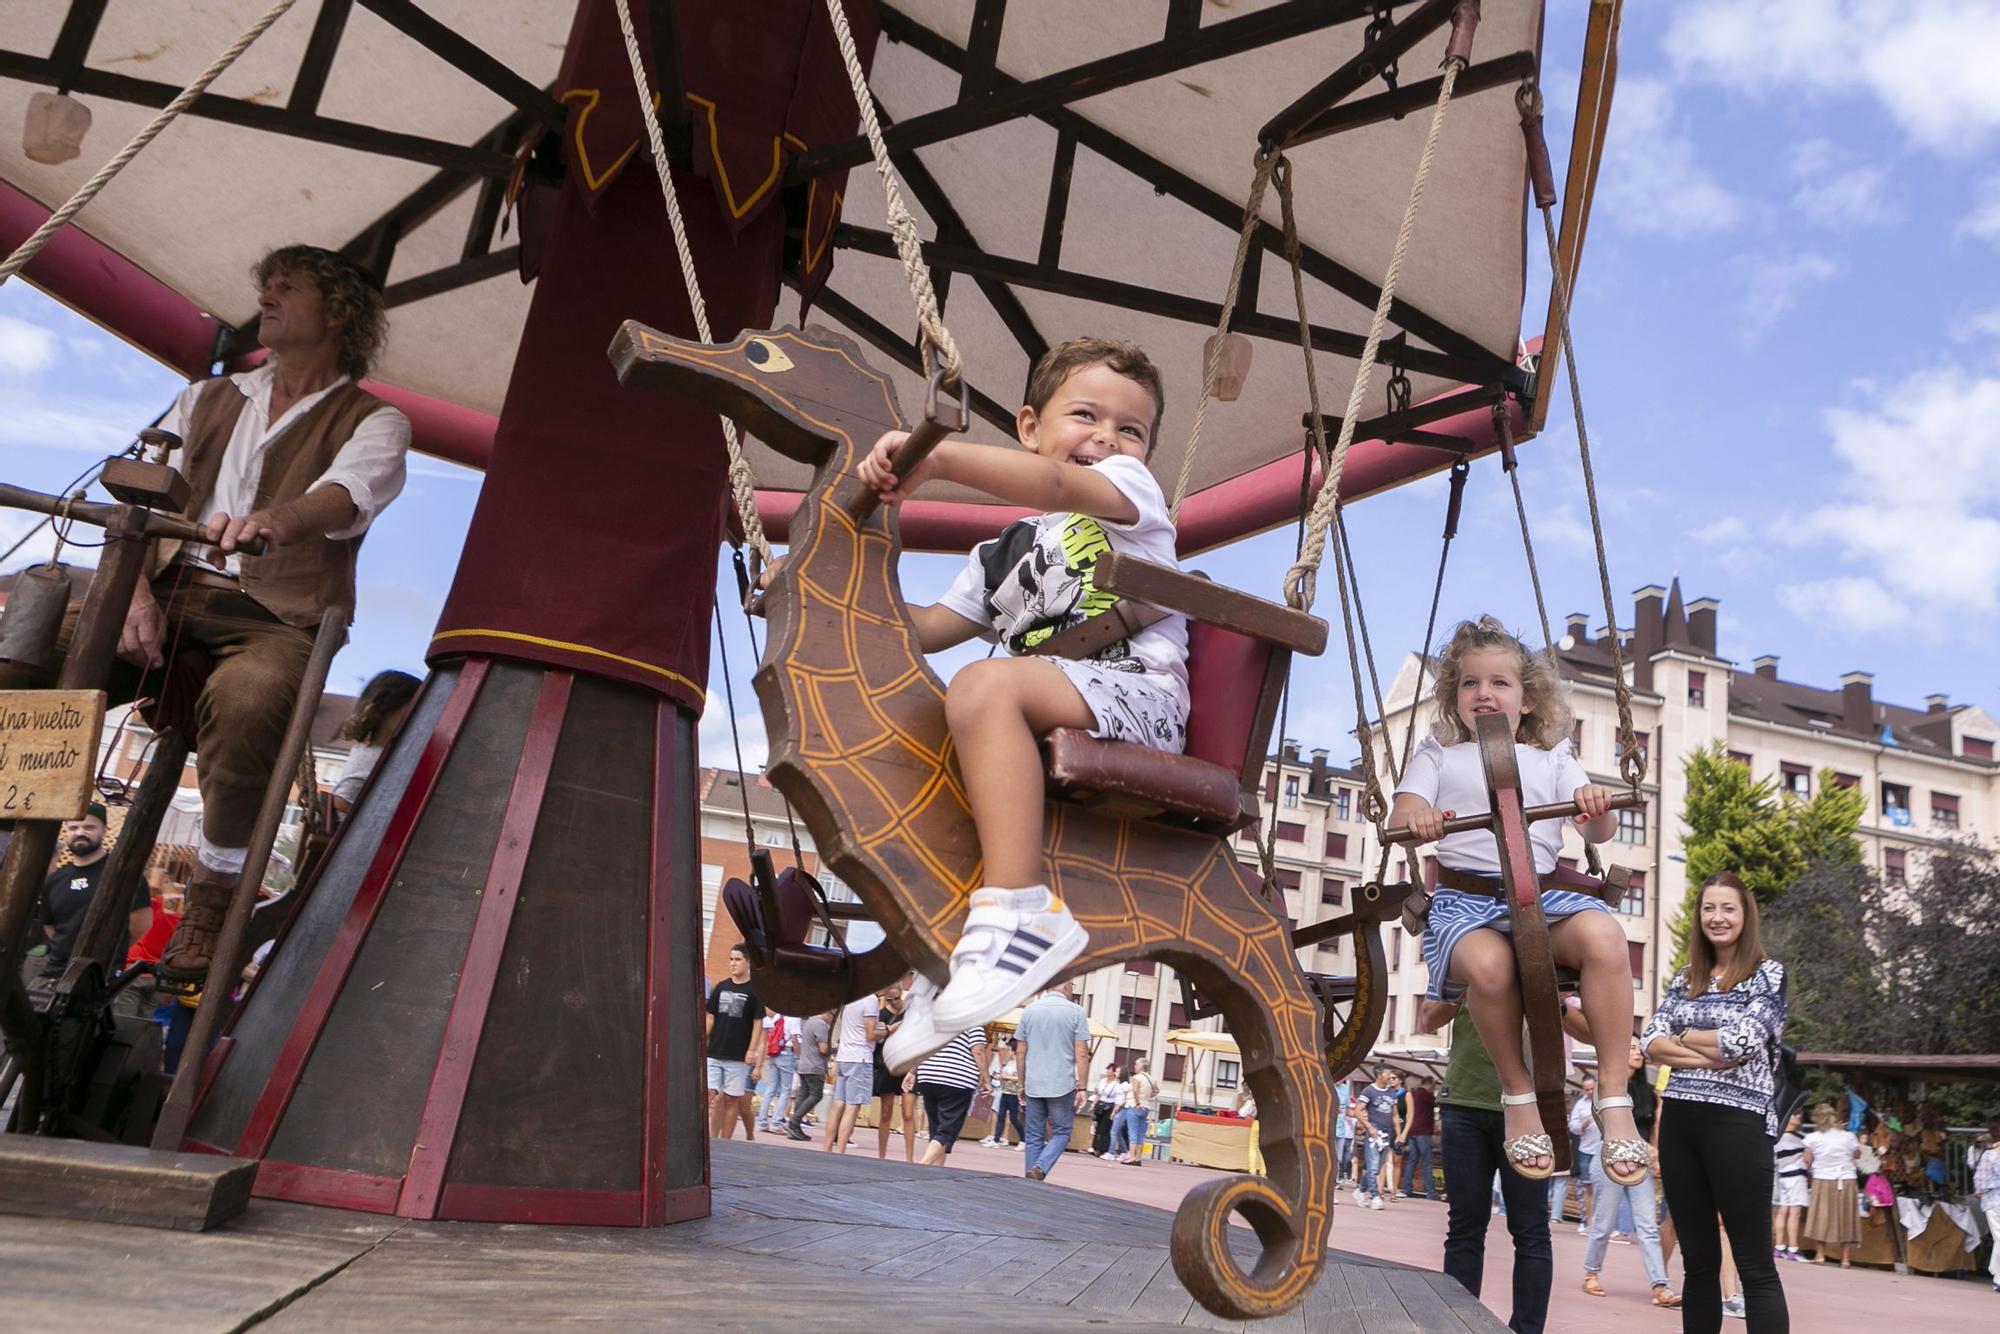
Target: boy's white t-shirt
{"x":1034,"y":579}
{"x":1451,"y":778}
{"x":854,"y":1043}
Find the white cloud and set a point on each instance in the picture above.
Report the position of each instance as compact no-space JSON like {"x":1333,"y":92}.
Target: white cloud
{"x":25,"y":349}
{"x":1726,"y":529}
{"x":1773,"y":286}
{"x":1927,"y":63}
{"x":1984,"y":220}
{"x":1979,"y":324}
{"x":1839,"y":193}
{"x":1652,"y":180}
{"x":1918,"y":519}
{"x":716,"y":748}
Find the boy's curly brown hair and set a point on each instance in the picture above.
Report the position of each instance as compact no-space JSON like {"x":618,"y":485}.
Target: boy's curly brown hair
{"x":1127,"y":359}
{"x":1546,"y":719}
{"x":353,"y":299}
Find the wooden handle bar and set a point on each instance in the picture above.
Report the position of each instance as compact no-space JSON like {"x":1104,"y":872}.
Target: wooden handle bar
{"x":927,"y":435}
{"x":103,"y":515}
{"x":1554,"y":811}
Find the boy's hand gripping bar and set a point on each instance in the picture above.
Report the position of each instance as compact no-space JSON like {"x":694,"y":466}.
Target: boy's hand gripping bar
{"x":925,"y":437}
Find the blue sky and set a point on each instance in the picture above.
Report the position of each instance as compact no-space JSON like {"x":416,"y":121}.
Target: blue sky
{"x":1789,"y":321}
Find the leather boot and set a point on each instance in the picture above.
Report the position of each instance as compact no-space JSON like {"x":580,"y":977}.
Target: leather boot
{"x":184,"y":963}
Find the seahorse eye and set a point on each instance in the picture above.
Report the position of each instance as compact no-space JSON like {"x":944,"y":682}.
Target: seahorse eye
{"x":766,"y":356}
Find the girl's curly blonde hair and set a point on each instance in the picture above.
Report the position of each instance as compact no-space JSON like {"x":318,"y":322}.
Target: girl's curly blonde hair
{"x":1546,"y":718}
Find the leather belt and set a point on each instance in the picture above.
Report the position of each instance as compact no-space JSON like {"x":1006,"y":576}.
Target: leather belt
{"x":194,"y":577}
{"x":1465,"y":882}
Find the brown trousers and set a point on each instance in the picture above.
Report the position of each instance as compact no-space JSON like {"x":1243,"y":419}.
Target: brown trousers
{"x":240,"y":712}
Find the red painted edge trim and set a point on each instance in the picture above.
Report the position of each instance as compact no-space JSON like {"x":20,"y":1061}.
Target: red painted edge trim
{"x":291,"y":1063}
{"x":323,"y":1185}
{"x":659,"y":943}
{"x":530,"y":1204}
{"x":196,"y":1146}
{"x":438,"y":1127}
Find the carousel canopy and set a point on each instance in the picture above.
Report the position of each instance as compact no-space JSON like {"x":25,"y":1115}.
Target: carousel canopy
{"x":1074,"y":176}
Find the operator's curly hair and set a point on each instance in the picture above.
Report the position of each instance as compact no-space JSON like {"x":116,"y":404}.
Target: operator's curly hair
{"x":353,"y":299}
{"x":1546,"y":719}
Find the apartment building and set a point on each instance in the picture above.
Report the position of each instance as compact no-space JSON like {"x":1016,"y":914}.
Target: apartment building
{"x":1927,"y":773}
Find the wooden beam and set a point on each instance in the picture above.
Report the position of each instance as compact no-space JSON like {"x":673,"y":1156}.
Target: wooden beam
{"x":1207,"y":601}
{"x":1012,"y":99}
{"x":79,"y":29}
{"x":120,"y":1183}
{"x":982,"y":49}
{"x":256,"y":116}
{"x":1362,"y":68}
{"x":1055,"y":214}
{"x":442,"y":41}
{"x":1495,"y":73}
{"x":1147,"y":300}
{"x":1183,"y":20}
{"x":902,"y":351}
{"x":451,"y":277}
{"x":310,"y":82}
{"x":1228,"y":212}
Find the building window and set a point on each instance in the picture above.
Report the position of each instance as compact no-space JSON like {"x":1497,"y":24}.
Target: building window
{"x":1847,"y":780}
{"x":1342,"y":799}
{"x":1123,"y":1057}
{"x":1291,"y":789}
{"x":1896,"y":804}
{"x":1271,"y":786}
{"x":1286,"y":877}
{"x":1291,"y":831}
{"x":1576,"y":736}
{"x":1697,"y":690}
{"x":1336,"y":845}
{"x":1740,"y":757}
{"x":1143,"y":967}
{"x":1637,"y":949}
{"x":711,"y":875}
{"x":1944,"y":810}
{"x":1635,"y":896}
{"x":1174,"y":1067}
{"x":1227,"y":1073}
{"x":1331,"y":892}
{"x":1644,"y":741}
{"x":1895,"y":865}
{"x":1389,"y":1021}
{"x":1973,"y":748}
{"x":1795,"y":779}
{"x":1394,"y":942}
{"x":1631,"y":825}
{"x":1176,"y":1015}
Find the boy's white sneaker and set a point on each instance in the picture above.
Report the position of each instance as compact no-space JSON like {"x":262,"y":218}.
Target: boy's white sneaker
{"x":1015,"y":943}
{"x":917,"y":1036}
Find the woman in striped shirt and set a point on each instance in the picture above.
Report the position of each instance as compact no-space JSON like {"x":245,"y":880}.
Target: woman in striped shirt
{"x":1718,"y":1031}
{"x":948,"y":1080}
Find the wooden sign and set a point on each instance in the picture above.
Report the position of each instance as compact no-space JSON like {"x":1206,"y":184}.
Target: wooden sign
{"x":48,"y":752}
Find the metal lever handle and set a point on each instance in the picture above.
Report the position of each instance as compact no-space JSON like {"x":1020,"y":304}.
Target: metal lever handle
{"x":102,"y":515}
{"x":1559,"y":810}
{"x":926,"y":436}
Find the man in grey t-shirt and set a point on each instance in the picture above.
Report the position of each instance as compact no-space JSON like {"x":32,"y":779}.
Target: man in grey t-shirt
{"x":1052,"y":1045}
{"x":815,"y":1042}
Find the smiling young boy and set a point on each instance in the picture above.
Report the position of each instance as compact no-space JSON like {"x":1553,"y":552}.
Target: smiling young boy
{"x":1087,"y":430}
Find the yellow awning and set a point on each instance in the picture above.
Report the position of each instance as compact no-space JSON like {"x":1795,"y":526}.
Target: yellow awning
{"x":1204,"y":1040}
{"x":1012,"y":1020}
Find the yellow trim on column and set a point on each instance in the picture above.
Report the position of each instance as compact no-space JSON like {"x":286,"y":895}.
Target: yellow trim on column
{"x":589,"y":97}
{"x":567,"y":647}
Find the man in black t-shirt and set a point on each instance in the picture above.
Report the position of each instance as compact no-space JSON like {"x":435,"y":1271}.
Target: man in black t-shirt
{"x":67,"y":893}
{"x":735,"y":1048}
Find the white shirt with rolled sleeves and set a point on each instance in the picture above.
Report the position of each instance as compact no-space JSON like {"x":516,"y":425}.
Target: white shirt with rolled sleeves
{"x":370,"y":466}
{"x":1450,"y":778}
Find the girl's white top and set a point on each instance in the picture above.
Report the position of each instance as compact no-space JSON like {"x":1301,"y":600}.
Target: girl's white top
{"x":1450,"y":778}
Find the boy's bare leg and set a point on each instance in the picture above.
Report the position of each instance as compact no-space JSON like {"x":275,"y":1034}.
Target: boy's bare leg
{"x":885,"y":1116}
{"x":1484,"y":963}
{"x":1594,"y":944}
{"x":999,"y":709}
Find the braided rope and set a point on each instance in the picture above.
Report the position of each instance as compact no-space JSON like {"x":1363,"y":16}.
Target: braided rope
{"x":1503,"y":426}
{"x":939,"y":351}
{"x":1253,"y":216}
{"x":742,"y":481}
{"x":1631,"y":762}
{"x":1302,"y":579}
{"x":31,"y":247}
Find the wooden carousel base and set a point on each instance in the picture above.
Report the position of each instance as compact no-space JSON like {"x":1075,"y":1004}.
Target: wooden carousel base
{"x":800,"y":1240}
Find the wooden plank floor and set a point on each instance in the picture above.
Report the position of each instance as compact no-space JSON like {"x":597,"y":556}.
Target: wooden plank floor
{"x":830,"y":1243}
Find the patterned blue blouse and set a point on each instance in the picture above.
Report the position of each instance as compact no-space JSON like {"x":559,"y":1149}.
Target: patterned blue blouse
{"x":1749,"y":1022}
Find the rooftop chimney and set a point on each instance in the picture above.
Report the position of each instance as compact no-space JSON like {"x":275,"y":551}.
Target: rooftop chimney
{"x":1577,"y":626}
{"x":1701,"y":624}
{"x":1937,"y":703}
{"x":1317,"y":784}
{"x":1857,"y":701}
{"x":1289,"y":752}
{"x":1648,"y":633}
{"x":1766,"y":666}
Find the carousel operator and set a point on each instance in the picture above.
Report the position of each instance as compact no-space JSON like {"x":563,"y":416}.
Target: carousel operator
{"x":295,"y":452}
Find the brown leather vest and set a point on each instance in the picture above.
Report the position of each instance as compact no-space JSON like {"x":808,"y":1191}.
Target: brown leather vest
{"x":295,"y":583}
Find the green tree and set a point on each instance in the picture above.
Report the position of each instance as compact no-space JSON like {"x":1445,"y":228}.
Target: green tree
{"x":1736,"y":823}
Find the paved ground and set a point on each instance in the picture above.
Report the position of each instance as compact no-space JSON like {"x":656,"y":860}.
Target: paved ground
{"x":1823,"y":1299}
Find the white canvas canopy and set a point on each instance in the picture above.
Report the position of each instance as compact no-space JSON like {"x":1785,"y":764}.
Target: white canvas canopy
{"x":1161,"y":166}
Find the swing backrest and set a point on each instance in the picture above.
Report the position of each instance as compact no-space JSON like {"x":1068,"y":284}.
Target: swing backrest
{"x":1225,"y":670}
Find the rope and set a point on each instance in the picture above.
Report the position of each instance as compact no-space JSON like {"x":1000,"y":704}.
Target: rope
{"x":1301,"y":580}
{"x":939,"y":351}
{"x":1631,"y":762}
{"x":1503,"y":426}
{"x":31,"y":247}
{"x":742,"y":482}
{"x":729,"y":703}
{"x":1253,"y":216}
